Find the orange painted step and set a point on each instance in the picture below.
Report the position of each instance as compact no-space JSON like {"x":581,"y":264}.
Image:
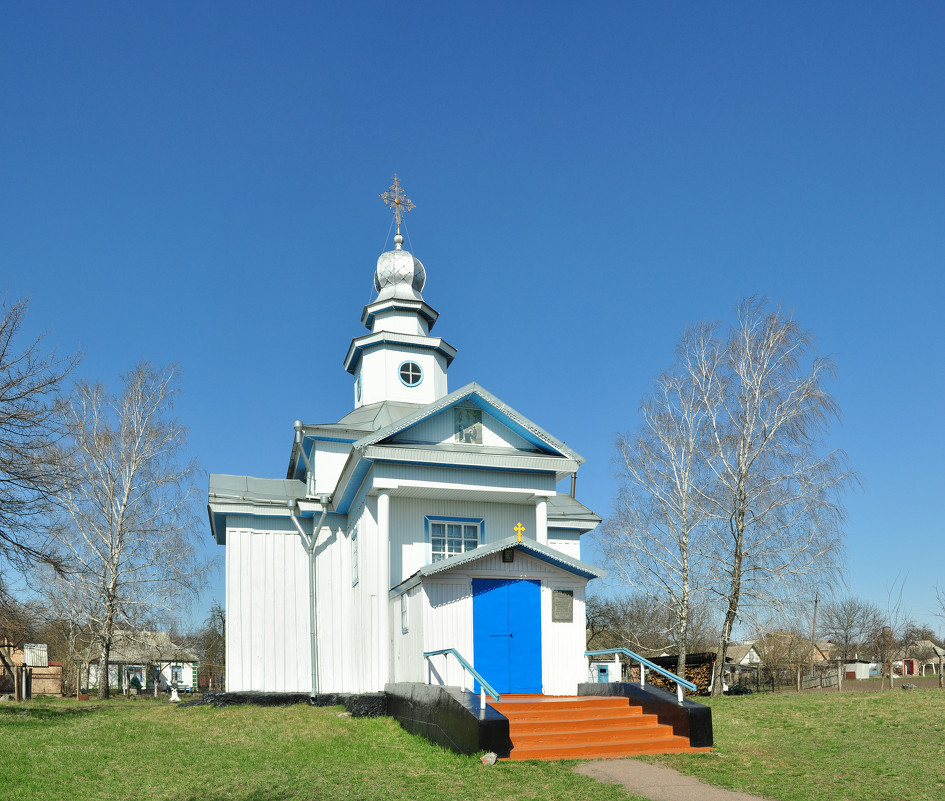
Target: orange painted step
{"x":584,"y":727}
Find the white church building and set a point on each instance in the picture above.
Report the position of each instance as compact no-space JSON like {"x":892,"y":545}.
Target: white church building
{"x":422,"y":520}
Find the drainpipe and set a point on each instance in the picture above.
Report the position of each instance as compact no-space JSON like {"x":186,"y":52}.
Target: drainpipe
{"x":310,"y":543}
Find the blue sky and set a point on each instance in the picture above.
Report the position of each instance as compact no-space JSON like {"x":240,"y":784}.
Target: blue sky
{"x":197,"y":183}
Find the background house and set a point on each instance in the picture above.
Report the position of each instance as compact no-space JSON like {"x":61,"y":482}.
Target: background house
{"x":152,"y":658}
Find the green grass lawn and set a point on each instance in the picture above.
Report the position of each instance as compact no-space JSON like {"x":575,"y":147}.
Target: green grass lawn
{"x":823,"y":745}
{"x":66,"y":749}
{"x":787,"y":747}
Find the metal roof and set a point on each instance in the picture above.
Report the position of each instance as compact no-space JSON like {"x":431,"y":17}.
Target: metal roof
{"x":564,"y":507}
{"x":531,"y":547}
{"x":378,"y":415}
{"x":247,"y":488}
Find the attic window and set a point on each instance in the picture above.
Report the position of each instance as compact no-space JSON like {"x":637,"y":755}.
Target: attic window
{"x":410,"y":374}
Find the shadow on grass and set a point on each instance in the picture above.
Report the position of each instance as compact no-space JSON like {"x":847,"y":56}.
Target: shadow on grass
{"x":46,"y":713}
{"x":252,"y":795}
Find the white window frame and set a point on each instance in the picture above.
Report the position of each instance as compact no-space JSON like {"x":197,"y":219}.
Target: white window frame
{"x":404,"y":614}
{"x":431,"y":524}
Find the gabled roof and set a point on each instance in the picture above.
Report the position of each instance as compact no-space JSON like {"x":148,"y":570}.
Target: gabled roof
{"x":531,"y":547}
{"x":737,"y":653}
{"x":552,"y":455}
{"x":488,"y":402}
{"x":146,"y":647}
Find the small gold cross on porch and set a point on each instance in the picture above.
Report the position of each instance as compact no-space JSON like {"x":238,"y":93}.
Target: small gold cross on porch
{"x":519,"y":529}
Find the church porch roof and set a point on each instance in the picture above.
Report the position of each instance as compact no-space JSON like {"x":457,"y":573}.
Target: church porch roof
{"x":530,"y":547}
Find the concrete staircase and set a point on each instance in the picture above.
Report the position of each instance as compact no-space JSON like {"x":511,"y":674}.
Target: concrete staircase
{"x":586,"y":727}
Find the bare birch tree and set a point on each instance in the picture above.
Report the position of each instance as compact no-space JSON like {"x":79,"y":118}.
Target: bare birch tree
{"x":656,"y":539}
{"x":127,"y":523}
{"x":31,"y":413}
{"x":775,"y":499}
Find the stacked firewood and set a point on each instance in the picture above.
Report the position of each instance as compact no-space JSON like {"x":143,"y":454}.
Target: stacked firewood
{"x":700,"y":675}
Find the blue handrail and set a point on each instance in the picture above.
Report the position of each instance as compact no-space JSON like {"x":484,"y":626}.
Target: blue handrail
{"x":643,"y":661}
{"x":483,"y":683}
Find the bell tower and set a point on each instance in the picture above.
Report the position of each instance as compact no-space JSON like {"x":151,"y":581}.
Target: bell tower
{"x":398,"y":360}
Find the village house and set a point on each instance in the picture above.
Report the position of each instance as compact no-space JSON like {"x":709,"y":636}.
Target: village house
{"x":151,"y":658}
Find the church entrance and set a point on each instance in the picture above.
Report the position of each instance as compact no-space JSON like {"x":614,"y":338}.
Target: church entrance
{"x":507,"y":634}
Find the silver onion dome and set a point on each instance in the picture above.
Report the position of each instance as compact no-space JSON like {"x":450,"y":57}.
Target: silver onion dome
{"x":398,"y":273}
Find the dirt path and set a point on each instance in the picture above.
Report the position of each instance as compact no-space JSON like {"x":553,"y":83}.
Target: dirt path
{"x":657,"y":782}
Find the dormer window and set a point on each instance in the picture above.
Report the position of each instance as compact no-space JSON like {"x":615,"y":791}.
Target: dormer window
{"x":410,"y":373}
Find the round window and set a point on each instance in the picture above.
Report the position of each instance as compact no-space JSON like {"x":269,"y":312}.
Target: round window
{"x":411,"y":374}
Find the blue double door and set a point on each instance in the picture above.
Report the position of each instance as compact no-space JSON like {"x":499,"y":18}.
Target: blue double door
{"x":507,"y":634}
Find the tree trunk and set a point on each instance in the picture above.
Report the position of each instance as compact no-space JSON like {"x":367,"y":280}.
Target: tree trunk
{"x":103,"y":681}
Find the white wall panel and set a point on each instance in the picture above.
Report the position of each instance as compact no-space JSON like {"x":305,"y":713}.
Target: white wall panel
{"x":566,"y":541}
{"x":267,"y":613}
{"x":408,"y":662}
{"x":330,"y":458}
{"x":563,"y":644}
{"x":409,"y":548}
{"x":448,"y":624}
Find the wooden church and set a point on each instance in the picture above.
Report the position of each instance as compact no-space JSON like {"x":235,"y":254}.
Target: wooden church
{"x":418,"y":549}
{"x":422,"y":520}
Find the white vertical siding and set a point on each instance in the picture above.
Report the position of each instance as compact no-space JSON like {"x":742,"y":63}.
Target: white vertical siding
{"x":266,"y":583}
{"x":562,"y":644}
{"x":408,"y":663}
{"x":447,"y":623}
{"x":409,"y":549}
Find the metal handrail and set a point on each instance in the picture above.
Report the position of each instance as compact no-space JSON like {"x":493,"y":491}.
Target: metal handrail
{"x":484,"y":686}
{"x":646,"y":663}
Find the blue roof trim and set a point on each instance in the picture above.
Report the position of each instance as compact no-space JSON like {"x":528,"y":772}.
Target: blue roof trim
{"x":487,"y":402}
{"x":343,"y":504}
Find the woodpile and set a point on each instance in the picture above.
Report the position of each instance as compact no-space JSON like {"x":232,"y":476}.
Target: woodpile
{"x":698,"y":671}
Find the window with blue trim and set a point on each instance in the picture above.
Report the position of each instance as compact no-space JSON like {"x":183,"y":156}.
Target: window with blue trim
{"x":404,"y":627}
{"x":410,"y":373}
{"x":354,"y":557}
{"x":453,"y":537}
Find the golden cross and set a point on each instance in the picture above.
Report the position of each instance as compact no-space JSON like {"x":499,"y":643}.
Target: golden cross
{"x":519,"y":529}
{"x":397,"y":201}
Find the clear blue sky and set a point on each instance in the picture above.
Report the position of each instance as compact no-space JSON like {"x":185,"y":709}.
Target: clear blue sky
{"x":197,"y":183}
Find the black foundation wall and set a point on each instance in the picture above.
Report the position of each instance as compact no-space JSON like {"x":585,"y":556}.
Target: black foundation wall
{"x":689,"y":719}
{"x":449,"y":717}
{"x":359,"y":705}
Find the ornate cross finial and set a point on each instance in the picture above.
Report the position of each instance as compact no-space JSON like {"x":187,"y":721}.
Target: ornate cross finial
{"x":519,"y":529}
{"x":397,"y":201}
